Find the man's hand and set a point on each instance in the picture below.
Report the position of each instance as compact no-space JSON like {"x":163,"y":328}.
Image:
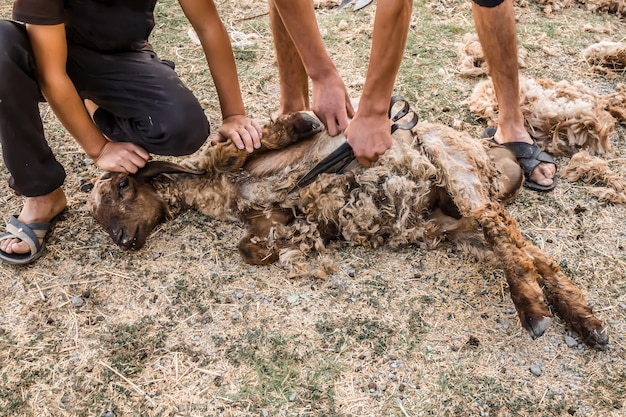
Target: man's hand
{"x":122,"y":157}
{"x":369,"y":136}
{"x":331,"y":104}
{"x":243,"y":131}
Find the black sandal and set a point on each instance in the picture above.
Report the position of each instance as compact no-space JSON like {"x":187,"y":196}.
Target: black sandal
{"x":529,"y":155}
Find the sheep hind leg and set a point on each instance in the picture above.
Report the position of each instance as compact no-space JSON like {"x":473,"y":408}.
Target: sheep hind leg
{"x":282,"y":132}
{"x":568,"y":301}
{"x":502,"y":234}
{"x":288,"y":129}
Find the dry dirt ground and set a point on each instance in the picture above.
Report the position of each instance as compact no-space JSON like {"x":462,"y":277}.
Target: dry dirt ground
{"x":184,"y":328}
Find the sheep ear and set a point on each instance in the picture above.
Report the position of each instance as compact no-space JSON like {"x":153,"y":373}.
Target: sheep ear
{"x":156,"y":168}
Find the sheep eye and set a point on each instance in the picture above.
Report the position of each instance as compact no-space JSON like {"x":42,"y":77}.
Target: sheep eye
{"x":122,"y":187}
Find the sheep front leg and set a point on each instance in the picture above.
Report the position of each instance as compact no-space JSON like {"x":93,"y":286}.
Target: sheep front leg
{"x":255,"y":248}
{"x":278,"y":134}
{"x":502,"y":233}
{"x":569,"y":301}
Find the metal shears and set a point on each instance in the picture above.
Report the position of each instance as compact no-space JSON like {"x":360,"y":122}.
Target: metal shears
{"x":338,"y":160}
{"x":359,"y":4}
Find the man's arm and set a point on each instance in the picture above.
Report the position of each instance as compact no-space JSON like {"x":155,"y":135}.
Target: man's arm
{"x":331,"y":101}
{"x":369,"y":133}
{"x":203,"y":16}
{"x":50,"y":52}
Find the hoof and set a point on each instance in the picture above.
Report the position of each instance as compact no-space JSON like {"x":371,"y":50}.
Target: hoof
{"x":306,"y":125}
{"x":257,"y":253}
{"x":537,"y":327}
{"x":598,"y":338}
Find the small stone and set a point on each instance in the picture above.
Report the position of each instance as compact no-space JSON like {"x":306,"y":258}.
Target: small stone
{"x":292,"y":397}
{"x":77,"y":302}
{"x":109,"y":414}
{"x":570,"y":341}
{"x":535,"y":370}
{"x":473,"y":341}
{"x":86,"y":187}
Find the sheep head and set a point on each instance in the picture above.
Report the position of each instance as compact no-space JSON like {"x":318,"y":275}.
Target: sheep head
{"x":128,"y":206}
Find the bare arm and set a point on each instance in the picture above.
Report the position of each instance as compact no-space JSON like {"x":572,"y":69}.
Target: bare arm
{"x":203,"y":16}
{"x":331,"y":101}
{"x":369,"y":133}
{"x":50,"y":51}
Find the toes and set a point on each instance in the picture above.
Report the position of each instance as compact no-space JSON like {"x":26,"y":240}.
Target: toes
{"x":14,"y":246}
{"x":543,"y":174}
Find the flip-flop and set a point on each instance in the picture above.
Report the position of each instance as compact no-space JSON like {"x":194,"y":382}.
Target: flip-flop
{"x":27,"y":233}
{"x":528,"y":155}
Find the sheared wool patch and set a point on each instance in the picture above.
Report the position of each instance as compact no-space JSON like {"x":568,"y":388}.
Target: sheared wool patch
{"x":563,"y":116}
{"x":606,"y":56}
{"x":471,"y":57}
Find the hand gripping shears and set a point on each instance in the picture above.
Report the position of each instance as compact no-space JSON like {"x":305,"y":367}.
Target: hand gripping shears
{"x":337,"y":161}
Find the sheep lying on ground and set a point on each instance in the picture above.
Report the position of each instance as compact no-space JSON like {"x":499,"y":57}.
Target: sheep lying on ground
{"x":434,"y":183}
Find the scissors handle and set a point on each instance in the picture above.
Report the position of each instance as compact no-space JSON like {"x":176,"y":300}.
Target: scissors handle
{"x":401,"y":113}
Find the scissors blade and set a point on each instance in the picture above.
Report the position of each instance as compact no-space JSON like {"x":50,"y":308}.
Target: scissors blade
{"x":335,"y":162}
{"x":344,"y":3}
{"x":361,"y":4}
{"x":341,"y":157}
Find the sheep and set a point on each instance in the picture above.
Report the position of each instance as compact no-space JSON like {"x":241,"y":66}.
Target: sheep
{"x":434,"y":183}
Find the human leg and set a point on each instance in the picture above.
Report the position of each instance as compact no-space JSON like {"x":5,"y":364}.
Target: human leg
{"x":34,"y":171}
{"x":495,"y":26}
{"x":29,"y":159}
{"x":294,"y":82}
{"x":139,"y":99}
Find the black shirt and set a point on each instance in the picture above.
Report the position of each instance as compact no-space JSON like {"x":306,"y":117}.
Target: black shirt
{"x":104,"y":25}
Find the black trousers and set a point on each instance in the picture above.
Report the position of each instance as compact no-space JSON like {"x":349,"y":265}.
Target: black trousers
{"x":141,"y":100}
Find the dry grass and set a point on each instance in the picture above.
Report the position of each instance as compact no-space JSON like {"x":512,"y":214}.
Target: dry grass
{"x":183,"y":328}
